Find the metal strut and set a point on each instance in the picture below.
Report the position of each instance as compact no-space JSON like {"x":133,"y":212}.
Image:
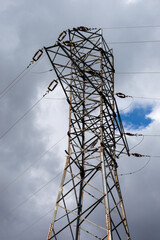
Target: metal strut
{"x":89,"y":196}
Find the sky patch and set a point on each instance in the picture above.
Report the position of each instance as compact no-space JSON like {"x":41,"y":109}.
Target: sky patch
{"x":138,"y":117}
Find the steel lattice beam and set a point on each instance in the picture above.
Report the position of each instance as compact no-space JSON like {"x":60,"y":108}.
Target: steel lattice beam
{"x":89,"y":203}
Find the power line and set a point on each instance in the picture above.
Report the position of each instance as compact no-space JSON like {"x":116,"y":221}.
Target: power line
{"x":28,"y":111}
{"x":135,"y":42}
{"x":50,"y":88}
{"x":155,"y":156}
{"x":132,"y":27}
{"x":40,"y":218}
{"x":55,"y":98}
{"x":18,"y":120}
{"x":122,"y":110}
{"x":34,"y":223}
{"x":33,"y":194}
{"x":13,"y":83}
{"x":139,"y":156}
{"x":139,"y":134}
{"x":151,"y":135}
{"x":151,"y":98}
{"x":136,"y":73}
{"x":122,"y":95}
{"x":50,"y":70}
{"x":138,"y":143}
{"x":136,"y":171}
{"x":24,"y":171}
{"x":117,"y":73}
{"x":142,"y":155}
{"x":18,"y":78}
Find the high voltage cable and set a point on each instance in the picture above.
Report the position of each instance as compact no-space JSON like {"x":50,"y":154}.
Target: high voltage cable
{"x":122,"y":110}
{"x":55,"y":98}
{"x":33,"y":194}
{"x":140,"y":135}
{"x":50,"y":70}
{"x":24,"y":171}
{"x":122,"y":95}
{"x":123,"y":174}
{"x":136,"y":171}
{"x":18,"y":120}
{"x":18,"y":78}
{"x":28,"y":111}
{"x":132,"y":27}
{"x":13,"y":83}
{"x":137,"y":143}
{"x":135,"y":42}
{"x":140,"y":155}
{"x":40,"y":218}
{"x":152,"y":98}
{"x":133,"y":97}
{"x":117,"y":73}
{"x":151,"y":135}
{"x":34,"y":223}
{"x":155,"y":156}
{"x":136,"y":73}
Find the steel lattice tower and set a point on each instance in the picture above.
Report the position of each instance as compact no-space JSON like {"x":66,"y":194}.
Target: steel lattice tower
{"x":89,"y":203}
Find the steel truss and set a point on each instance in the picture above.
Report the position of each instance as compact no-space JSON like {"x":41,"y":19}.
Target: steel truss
{"x":89,"y":203}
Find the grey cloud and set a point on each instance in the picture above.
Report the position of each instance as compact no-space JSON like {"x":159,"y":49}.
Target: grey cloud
{"x":27,"y":26}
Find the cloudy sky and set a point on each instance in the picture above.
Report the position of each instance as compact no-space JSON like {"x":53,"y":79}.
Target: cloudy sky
{"x":32,"y":152}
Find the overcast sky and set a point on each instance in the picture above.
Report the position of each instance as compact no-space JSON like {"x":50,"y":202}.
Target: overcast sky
{"x":25,"y":26}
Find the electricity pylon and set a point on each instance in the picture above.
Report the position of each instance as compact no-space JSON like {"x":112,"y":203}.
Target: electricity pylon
{"x":89,"y":203}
